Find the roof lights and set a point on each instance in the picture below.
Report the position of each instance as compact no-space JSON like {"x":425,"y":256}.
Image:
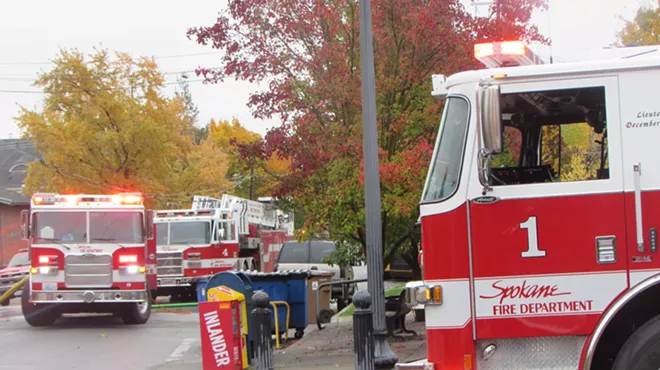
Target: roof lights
{"x":75,"y":200}
{"x":505,"y":54}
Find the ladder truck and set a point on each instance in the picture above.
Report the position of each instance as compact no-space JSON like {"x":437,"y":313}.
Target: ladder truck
{"x":216,"y":235}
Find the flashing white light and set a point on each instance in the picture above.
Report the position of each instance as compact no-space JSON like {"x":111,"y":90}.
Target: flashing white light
{"x":132,"y":269}
{"x":44,"y":270}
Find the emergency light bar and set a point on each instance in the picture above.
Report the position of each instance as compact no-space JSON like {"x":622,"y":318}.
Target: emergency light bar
{"x":505,"y":54}
{"x":74,"y":200}
{"x":184,"y":213}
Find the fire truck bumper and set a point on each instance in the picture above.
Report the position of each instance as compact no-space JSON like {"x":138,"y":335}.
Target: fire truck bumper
{"x":182,"y":281}
{"x":418,"y":365}
{"x":88,"y":296}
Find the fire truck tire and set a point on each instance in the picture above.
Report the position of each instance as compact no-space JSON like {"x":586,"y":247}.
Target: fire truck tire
{"x":642,"y":349}
{"x":137,"y":313}
{"x":37,"y":314}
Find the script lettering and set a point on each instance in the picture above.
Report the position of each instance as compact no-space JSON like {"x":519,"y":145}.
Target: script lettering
{"x":524,"y":291}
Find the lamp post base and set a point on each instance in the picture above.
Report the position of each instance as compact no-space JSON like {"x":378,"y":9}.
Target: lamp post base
{"x":384,"y":357}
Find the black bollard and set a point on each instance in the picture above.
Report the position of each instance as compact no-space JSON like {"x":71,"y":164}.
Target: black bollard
{"x":363,"y":331}
{"x":263,"y":349}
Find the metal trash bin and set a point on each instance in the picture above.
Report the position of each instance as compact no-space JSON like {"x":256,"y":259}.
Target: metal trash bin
{"x":298,"y":299}
{"x":275,"y":284}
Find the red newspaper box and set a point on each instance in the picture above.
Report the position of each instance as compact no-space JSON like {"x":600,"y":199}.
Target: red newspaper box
{"x":221,"y":335}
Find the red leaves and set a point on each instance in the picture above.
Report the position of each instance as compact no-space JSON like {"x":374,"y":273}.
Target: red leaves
{"x":308,"y":52}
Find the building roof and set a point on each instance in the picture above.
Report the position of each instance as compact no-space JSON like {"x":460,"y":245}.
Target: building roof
{"x":15,"y":154}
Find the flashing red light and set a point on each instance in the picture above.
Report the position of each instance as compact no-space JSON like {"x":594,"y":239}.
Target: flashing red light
{"x":505,"y":54}
{"x":38,"y":200}
{"x":128,"y":258}
{"x":44,"y":259}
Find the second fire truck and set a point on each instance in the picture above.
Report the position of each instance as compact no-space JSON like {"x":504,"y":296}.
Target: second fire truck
{"x":538,"y":217}
{"x":217,"y":235}
{"x":88,"y":254}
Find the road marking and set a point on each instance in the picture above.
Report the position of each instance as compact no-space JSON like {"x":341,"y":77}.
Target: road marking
{"x":181,"y":350}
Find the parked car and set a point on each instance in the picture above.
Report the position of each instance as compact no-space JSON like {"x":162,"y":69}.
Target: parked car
{"x":310,"y":255}
{"x":17,"y":269}
{"x":398,"y":269}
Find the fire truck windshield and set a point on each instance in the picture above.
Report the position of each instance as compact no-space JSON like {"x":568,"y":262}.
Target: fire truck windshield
{"x":71,"y":227}
{"x":444,"y":172}
{"x":189,"y":232}
{"x":116,"y":227}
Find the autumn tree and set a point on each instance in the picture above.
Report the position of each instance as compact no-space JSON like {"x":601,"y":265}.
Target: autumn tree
{"x":309,"y":52}
{"x":644,"y":29}
{"x":106,"y":126}
{"x":254,"y":175}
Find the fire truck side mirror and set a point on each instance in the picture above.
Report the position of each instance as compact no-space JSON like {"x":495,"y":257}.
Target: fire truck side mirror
{"x":25,"y":224}
{"x":490,"y":118}
{"x":150,"y":224}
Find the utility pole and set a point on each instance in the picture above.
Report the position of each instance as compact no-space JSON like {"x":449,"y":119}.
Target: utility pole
{"x":383,"y":354}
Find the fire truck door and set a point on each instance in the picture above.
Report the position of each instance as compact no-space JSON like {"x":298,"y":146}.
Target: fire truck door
{"x":548,"y":242}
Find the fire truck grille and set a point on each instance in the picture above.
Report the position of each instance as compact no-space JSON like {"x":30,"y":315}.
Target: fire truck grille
{"x":170,"y":263}
{"x":88,"y":271}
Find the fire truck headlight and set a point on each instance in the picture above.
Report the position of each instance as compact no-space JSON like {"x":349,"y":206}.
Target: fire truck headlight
{"x":45,"y":270}
{"x":131,"y":270}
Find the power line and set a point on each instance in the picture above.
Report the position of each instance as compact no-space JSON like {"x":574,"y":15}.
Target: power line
{"x":8,"y":64}
{"x":82,"y":91}
{"x":26,"y":77}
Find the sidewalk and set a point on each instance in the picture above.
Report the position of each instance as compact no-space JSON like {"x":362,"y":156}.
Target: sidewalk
{"x":332,"y":347}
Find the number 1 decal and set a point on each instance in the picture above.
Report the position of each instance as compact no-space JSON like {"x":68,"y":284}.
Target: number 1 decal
{"x":532,"y":239}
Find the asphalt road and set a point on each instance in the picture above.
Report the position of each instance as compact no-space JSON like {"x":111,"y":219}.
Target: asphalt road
{"x":169,"y":340}
{"x":166,"y":341}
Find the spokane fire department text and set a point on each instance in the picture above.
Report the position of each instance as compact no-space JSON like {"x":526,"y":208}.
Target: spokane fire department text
{"x":536,"y":308}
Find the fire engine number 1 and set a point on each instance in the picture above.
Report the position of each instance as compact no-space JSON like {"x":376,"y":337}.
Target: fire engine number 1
{"x":532,"y":239}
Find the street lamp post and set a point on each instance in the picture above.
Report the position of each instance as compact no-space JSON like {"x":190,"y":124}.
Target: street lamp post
{"x":383,"y":354}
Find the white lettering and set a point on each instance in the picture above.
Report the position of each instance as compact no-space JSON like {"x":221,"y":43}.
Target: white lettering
{"x":217,"y":339}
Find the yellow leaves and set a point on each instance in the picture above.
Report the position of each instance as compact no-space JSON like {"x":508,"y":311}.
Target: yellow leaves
{"x":223,"y":131}
{"x":106,"y":125}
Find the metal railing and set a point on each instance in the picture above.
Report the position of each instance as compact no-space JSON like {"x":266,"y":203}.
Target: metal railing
{"x":330,"y":283}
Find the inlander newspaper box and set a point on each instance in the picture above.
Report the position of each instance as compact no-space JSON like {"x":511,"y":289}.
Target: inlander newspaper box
{"x":223,"y":327}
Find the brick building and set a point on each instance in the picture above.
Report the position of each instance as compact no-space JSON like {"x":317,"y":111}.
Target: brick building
{"x":15,"y":154}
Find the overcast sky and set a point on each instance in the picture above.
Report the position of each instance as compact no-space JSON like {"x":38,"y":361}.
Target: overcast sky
{"x":33,"y":31}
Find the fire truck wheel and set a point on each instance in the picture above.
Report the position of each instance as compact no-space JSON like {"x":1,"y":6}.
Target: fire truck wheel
{"x":137,"y":313}
{"x":37,"y":314}
{"x":642,"y":349}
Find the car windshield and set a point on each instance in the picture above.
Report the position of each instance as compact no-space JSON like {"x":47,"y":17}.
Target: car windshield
{"x":444,"y":171}
{"x":292,"y":252}
{"x":20,"y":259}
{"x":66,"y":227}
{"x":319,"y":251}
{"x":115,"y":227}
{"x":189,"y":233}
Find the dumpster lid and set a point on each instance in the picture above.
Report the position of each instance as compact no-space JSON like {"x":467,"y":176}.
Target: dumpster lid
{"x":278,"y":275}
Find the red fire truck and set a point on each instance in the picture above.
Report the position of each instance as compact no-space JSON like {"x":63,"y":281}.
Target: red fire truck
{"x":539,"y":231}
{"x":217,"y":235}
{"x":88,"y":254}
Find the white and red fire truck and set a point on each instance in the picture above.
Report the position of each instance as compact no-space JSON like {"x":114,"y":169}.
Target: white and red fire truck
{"x":217,"y":235}
{"x":539,"y":227}
{"x":88,"y":254}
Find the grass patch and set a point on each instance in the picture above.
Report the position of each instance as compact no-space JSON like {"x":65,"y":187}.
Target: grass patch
{"x":390,"y":292}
